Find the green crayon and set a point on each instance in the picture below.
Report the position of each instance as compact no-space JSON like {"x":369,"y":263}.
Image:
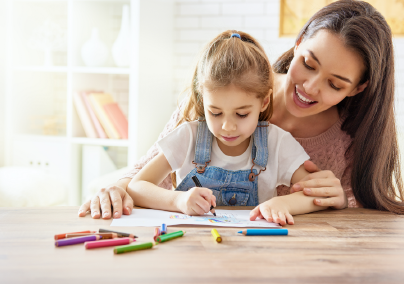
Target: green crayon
{"x":170,"y":236}
{"x":133,"y":247}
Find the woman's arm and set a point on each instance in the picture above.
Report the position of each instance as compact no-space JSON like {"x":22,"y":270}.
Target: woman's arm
{"x":145,"y":191}
{"x":322,"y":184}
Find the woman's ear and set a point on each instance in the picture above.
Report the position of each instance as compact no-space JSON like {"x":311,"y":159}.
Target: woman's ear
{"x":358,"y":89}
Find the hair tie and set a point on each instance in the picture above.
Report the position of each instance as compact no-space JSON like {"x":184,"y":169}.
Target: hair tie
{"x":235,"y":35}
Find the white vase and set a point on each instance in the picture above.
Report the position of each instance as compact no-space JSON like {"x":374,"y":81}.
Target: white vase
{"x":121,"y":46}
{"x":94,"y":52}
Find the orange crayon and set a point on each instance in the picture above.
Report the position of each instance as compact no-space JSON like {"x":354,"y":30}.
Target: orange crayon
{"x":156,"y":233}
{"x":62,"y":236}
{"x":108,"y":243}
{"x":103,"y":235}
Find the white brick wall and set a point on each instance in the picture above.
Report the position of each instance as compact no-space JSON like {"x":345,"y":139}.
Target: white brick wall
{"x":198,"y":21}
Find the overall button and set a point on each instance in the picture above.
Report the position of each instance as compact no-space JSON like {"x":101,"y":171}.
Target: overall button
{"x":233,"y":200}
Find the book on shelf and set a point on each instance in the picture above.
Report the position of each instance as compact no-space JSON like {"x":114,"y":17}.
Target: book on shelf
{"x":84,"y":116}
{"x":117,"y":118}
{"x":98,"y":100}
{"x":94,"y":119}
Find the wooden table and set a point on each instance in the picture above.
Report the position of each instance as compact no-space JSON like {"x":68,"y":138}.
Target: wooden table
{"x":333,"y":246}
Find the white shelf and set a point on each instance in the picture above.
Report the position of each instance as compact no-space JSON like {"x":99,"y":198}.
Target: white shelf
{"x":101,"y":142}
{"x":101,"y":70}
{"x":56,"y":69}
{"x":39,"y":99}
{"x":78,"y":69}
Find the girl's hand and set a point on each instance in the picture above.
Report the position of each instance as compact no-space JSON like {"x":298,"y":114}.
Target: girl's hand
{"x":322,"y":184}
{"x":273,"y":210}
{"x":114,"y":194}
{"x":196,"y":201}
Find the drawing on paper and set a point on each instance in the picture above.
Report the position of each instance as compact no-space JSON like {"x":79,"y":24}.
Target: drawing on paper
{"x":220,"y":218}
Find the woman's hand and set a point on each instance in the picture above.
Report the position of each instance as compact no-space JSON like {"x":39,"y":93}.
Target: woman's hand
{"x":196,"y":201}
{"x":109,"y":199}
{"x":274,"y":210}
{"x":322,"y":184}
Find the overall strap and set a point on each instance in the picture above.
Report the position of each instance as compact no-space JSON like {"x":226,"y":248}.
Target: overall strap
{"x":260,"y":148}
{"x":203,"y":146}
{"x":260,"y":145}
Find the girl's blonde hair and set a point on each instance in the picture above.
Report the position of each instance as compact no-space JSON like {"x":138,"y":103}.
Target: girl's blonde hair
{"x":229,"y":60}
{"x":224,"y":61}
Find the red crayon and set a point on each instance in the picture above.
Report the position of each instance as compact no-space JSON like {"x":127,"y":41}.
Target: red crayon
{"x":62,"y":236}
{"x":108,"y":243}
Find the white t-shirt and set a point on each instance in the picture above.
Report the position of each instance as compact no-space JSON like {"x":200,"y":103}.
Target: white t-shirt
{"x":286,"y":155}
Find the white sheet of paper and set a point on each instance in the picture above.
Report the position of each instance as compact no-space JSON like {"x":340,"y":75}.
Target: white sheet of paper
{"x":224,"y":218}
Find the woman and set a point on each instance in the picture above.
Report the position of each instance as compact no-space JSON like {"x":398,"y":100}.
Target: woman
{"x":334,"y":92}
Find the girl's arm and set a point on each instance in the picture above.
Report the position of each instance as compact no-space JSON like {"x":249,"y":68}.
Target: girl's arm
{"x":145,"y":191}
{"x":281,"y":208}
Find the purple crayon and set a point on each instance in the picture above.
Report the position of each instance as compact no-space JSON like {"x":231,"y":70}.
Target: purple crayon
{"x":78,"y":240}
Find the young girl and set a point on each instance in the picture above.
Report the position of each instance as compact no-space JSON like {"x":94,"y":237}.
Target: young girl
{"x":334,"y":92}
{"x":238,"y":157}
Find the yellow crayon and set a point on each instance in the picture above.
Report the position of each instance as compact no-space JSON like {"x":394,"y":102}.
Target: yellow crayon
{"x":216,"y":235}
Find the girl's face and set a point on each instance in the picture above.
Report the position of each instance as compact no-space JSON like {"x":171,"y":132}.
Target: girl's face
{"x":322,"y":73}
{"x":232,"y":116}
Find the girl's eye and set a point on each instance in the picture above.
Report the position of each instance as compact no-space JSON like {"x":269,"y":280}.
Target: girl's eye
{"x":242,"y":115}
{"x":307,"y":66}
{"x":334,"y":87}
{"x":215,"y":114}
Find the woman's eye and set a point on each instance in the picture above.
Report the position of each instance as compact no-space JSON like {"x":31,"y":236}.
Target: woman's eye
{"x":307,"y":66}
{"x":242,"y":115}
{"x":215,"y":114}
{"x":334,"y":87}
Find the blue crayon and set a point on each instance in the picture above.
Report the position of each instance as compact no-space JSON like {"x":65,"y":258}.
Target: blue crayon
{"x":163,"y":229}
{"x":264,"y":232}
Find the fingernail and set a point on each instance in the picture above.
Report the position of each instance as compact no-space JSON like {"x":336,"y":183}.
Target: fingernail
{"x":116,"y":214}
{"x":297,"y":186}
{"x":105,"y":214}
{"x":127,"y":208}
{"x":94,"y":213}
{"x":80,"y":211}
{"x":318,"y":201}
{"x":307,"y":190}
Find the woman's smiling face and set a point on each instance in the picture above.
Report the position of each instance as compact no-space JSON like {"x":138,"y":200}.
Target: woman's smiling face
{"x":322,"y":73}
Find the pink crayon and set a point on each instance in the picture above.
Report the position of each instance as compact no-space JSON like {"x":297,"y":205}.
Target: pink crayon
{"x":108,"y":243}
{"x":79,"y":240}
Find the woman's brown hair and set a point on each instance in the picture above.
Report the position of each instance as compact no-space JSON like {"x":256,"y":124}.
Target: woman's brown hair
{"x":376,"y":177}
{"x":228,"y":60}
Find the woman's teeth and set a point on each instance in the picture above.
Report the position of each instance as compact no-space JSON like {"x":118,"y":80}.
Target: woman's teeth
{"x":303,"y":99}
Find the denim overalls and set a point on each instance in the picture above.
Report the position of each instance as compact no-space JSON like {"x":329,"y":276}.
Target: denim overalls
{"x":238,"y":188}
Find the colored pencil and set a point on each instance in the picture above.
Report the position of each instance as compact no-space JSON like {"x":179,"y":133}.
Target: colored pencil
{"x":120,"y":234}
{"x":62,"y":236}
{"x":170,"y":236}
{"x":103,"y":235}
{"x":264,"y":232}
{"x":198,"y":184}
{"x":216,"y":235}
{"x":156,"y":233}
{"x":78,"y":240}
{"x":109,"y":243}
{"x":133,"y":247}
{"x":163,"y":229}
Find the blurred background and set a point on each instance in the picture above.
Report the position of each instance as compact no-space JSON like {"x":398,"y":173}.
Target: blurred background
{"x":86,"y":86}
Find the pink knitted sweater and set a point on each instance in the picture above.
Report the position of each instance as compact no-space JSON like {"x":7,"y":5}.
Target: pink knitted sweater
{"x":326,"y":150}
